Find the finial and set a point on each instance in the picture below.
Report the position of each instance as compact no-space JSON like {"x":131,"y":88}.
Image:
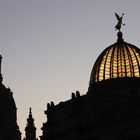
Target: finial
{"x":120,"y":36}
{"x":30,"y":111}
{"x":30,"y":119}
{"x":118,"y":26}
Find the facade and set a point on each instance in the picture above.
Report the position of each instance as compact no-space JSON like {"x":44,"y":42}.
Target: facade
{"x":110,"y":110}
{"x":9,"y":129}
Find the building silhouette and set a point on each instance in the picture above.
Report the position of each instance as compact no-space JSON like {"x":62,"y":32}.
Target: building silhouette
{"x":110,"y":110}
{"x":30,"y":130}
{"x":9,"y":129}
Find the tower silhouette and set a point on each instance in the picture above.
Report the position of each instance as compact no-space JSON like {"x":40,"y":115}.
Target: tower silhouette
{"x":30,"y":129}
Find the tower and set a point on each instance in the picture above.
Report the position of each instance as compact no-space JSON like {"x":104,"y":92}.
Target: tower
{"x":30,"y":130}
{"x":9,"y":129}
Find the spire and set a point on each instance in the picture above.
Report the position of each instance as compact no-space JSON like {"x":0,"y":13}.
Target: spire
{"x":30,"y":130}
{"x":30,"y":120}
{"x":0,"y":69}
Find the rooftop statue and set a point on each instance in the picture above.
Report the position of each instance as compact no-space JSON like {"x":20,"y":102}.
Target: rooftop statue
{"x":118,"y":26}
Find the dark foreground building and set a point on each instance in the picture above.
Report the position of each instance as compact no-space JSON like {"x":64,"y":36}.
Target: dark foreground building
{"x":110,"y":110}
{"x":8,"y":118}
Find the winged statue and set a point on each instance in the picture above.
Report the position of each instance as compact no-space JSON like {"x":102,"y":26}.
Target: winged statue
{"x":118,"y":26}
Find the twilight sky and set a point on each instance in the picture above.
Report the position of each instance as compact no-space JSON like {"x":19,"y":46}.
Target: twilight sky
{"x":49,"y":47}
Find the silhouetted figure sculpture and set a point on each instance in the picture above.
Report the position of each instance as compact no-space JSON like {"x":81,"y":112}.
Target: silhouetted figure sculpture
{"x":30,"y":130}
{"x":118,"y":26}
{"x":52,"y":104}
{"x":72,"y":95}
{"x":9,"y":129}
{"x":48,"y":106}
{"x":77,"y":94}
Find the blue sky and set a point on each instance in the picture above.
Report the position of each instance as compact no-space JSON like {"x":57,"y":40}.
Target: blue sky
{"x":49,"y":47}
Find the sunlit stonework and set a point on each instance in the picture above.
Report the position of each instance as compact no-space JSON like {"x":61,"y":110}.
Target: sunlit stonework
{"x":118,"y":60}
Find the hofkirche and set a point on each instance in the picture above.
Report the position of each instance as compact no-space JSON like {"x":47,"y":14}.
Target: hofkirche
{"x":110,"y":110}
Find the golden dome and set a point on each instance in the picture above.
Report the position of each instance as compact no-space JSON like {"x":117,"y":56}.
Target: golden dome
{"x":117,"y":61}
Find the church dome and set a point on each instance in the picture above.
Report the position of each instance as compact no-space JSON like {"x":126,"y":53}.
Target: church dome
{"x":117,"y":61}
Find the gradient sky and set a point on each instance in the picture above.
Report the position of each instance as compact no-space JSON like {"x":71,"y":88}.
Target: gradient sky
{"x":49,"y":47}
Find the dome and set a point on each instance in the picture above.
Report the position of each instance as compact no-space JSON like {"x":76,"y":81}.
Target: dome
{"x":117,"y":61}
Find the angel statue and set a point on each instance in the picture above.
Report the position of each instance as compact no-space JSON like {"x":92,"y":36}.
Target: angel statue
{"x":118,"y":26}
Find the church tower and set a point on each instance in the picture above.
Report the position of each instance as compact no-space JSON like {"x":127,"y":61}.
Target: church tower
{"x":30,"y":130}
{"x":9,"y":129}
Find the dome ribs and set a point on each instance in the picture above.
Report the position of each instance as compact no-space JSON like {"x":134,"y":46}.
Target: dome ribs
{"x":117,"y":61}
{"x":124,"y":61}
{"x":130,"y":61}
{"x":111,"y":62}
{"x":104,"y":73}
{"x":138,"y":65}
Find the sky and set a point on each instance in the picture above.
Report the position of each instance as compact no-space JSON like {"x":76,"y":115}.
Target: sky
{"x":49,"y":47}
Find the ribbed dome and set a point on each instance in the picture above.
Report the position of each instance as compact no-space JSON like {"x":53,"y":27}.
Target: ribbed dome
{"x":118,"y":60}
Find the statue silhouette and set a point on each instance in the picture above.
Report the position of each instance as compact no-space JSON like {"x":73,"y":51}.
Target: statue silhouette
{"x":118,"y":26}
